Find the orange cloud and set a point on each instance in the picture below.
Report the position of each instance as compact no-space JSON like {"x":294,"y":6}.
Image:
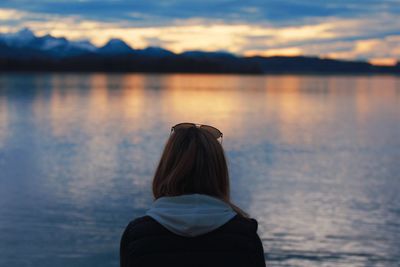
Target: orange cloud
{"x":383,"y":61}
{"x":290,"y":51}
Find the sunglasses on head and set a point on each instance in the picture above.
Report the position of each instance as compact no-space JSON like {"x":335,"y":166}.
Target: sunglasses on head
{"x":214,"y":131}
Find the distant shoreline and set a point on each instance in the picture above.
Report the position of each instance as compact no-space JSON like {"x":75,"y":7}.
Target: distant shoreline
{"x":202,"y":73}
{"x":192,"y":64}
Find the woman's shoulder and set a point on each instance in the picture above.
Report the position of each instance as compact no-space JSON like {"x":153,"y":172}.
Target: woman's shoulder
{"x":241,"y":224}
{"x":142,"y":226}
{"x":146,"y":225}
{"x":143,"y":220}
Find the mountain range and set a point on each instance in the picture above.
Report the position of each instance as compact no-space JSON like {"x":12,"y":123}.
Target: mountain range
{"x":23,"y":51}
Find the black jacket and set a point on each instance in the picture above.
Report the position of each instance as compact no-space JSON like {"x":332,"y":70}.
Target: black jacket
{"x":145,"y":242}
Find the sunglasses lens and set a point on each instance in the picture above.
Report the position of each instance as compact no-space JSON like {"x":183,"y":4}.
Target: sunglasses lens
{"x":184,"y":125}
{"x":214,"y":131}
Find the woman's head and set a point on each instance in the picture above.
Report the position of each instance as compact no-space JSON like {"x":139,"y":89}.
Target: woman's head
{"x":193,"y":162}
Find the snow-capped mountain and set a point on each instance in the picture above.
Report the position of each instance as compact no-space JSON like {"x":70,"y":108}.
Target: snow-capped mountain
{"x":85,"y":45}
{"x":21,"y":38}
{"x":63,"y":48}
{"x":115,"y":46}
{"x":49,"y":42}
{"x":26,"y":43}
{"x":153,"y":51}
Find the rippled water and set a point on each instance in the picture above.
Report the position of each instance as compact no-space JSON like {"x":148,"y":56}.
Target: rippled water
{"x":315,"y":159}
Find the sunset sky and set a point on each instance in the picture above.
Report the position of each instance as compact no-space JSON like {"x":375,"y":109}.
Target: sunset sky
{"x":346,"y":29}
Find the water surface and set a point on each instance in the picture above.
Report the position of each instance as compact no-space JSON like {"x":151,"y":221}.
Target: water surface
{"x":315,"y":159}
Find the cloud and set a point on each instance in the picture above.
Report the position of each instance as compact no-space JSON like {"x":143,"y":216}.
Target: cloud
{"x":11,"y":14}
{"x":265,"y":12}
{"x":385,"y":50}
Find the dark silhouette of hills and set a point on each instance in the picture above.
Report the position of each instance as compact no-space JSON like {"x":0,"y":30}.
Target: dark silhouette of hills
{"x":23,"y":51}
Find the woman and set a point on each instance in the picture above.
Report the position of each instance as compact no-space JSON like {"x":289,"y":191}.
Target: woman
{"x":192,"y":221}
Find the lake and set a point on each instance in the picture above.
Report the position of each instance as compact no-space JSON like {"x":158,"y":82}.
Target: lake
{"x":315,"y":159}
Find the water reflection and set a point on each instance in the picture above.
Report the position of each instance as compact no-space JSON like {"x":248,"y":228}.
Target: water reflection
{"x":134,"y":102}
{"x":3,"y":121}
{"x":314,"y":159}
